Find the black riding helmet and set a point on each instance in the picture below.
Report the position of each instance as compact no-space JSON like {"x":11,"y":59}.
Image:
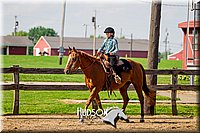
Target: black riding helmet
{"x":109,"y":30}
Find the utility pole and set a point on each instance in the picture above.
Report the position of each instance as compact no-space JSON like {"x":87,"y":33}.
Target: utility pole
{"x":187,"y":34}
{"x":120,"y":33}
{"x":94,"y":20}
{"x":153,"y":51}
{"x":85,"y":30}
{"x":166,"y":42}
{"x":95,"y":28}
{"x":16,"y":24}
{"x":61,"y":49}
{"x":131,"y":45}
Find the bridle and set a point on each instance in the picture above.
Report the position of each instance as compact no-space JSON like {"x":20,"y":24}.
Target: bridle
{"x":77,"y":58}
{"x":88,"y":66}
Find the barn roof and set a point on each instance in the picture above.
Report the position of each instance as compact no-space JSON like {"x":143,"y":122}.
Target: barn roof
{"x":191,"y":24}
{"x":86,"y":43}
{"x":15,"y":41}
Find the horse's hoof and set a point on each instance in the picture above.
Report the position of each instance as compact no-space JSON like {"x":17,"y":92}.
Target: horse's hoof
{"x":141,"y":120}
{"x":81,"y":120}
{"x":127,"y":121}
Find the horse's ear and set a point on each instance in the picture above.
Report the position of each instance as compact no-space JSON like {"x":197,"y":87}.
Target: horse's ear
{"x":69,"y":48}
{"x":74,"y":49}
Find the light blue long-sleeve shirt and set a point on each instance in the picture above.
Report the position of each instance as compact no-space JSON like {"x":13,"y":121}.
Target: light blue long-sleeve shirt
{"x":110,"y":46}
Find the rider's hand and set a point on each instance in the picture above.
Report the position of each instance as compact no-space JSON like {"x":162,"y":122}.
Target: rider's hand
{"x":98,"y":53}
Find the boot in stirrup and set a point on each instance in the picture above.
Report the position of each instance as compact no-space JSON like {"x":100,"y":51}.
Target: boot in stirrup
{"x":117,"y":79}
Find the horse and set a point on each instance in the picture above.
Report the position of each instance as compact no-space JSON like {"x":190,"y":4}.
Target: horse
{"x":95,"y":78}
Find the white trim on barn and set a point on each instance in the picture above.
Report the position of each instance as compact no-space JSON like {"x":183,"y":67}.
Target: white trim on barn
{"x":7,"y":50}
{"x":37,"y":51}
{"x":176,"y":53}
{"x":172,"y":55}
{"x":27,"y":50}
{"x":39,"y":41}
{"x":36,"y":45}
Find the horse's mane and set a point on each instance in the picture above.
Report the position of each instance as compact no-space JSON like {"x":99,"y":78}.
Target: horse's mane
{"x":91,"y":57}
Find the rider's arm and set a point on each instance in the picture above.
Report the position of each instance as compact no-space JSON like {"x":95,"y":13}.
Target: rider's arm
{"x":114,"y":48}
{"x":102,"y":47}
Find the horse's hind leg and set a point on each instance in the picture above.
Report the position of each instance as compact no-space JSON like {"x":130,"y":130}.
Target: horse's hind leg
{"x":138,"y":89}
{"x":123,"y":92}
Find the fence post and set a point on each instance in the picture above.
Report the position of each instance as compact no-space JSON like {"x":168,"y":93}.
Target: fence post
{"x":173,"y":94}
{"x":16,"y":89}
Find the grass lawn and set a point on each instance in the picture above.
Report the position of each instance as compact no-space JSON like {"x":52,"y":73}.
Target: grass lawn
{"x":28,"y":61}
{"x":53,"y":62}
{"x":49,"y":102}
{"x":46,"y":77}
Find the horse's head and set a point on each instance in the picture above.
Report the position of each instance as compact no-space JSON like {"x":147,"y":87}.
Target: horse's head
{"x":73,"y":61}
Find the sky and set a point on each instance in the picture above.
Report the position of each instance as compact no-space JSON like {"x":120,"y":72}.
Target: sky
{"x":125,"y":17}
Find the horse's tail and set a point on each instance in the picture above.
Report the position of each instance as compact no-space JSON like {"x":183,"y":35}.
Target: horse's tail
{"x":150,"y":99}
{"x":144,"y":86}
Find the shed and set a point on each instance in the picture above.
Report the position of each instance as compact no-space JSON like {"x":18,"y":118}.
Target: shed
{"x":15,"y":45}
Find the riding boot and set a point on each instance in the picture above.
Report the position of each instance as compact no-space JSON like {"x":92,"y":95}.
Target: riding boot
{"x":116,"y":77}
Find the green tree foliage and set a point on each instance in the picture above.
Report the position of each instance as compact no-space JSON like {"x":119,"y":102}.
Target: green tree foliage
{"x":99,"y":36}
{"x":20,"y":33}
{"x":122,"y":37}
{"x":36,"y":32}
{"x":163,"y":54}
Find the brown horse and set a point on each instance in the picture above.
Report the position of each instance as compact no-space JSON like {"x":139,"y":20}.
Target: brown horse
{"x":95,"y":78}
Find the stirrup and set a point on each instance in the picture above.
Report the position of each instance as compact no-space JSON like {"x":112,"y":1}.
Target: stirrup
{"x":117,"y":79}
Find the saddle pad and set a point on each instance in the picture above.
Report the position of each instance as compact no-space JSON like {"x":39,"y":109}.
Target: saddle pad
{"x":122,"y":67}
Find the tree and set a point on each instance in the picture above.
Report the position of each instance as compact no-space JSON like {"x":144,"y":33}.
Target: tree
{"x":20,"y":33}
{"x":99,"y":36}
{"x":163,"y":54}
{"x":36,"y":32}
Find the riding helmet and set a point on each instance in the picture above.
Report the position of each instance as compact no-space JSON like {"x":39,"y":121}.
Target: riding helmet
{"x":109,"y":30}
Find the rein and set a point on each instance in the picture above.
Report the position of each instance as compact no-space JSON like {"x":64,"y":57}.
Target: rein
{"x":87,"y":67}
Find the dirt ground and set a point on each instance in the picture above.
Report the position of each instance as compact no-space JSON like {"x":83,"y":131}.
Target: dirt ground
{"x":71,"y":123}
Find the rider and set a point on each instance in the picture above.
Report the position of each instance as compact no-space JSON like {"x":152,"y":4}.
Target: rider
{"x":110,"y":45}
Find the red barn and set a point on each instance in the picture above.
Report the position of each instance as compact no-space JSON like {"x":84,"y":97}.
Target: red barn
{"x":15,"y":45}
{"x":192,"y":50}
{"x":50,"y":46}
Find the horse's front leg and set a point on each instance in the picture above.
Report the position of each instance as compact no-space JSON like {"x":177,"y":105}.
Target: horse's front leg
{"x":124,"y":94}
{"x":99,"y":102}
{"x":93,"y":94}
{"x":96,"y":103}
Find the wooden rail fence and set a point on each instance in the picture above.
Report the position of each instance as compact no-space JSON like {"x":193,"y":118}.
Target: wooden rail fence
{"x":16,"y":70}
